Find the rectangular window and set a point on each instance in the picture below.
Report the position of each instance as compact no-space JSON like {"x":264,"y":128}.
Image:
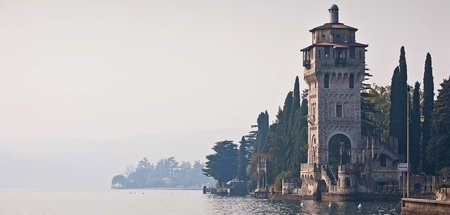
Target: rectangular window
{"x":352,"y":52}
{"x":326,"y":81}
{"x":327,"y":52}
{"x":339,"y":110}
{"x":360,"y":55}
{"x":319,"y":55}
{"x":351,"y":81}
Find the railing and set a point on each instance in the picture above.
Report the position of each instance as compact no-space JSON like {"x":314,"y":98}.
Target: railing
{"x":330,"y":172}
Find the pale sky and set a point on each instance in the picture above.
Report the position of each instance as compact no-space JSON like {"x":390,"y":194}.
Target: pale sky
{"x":100,"y":71}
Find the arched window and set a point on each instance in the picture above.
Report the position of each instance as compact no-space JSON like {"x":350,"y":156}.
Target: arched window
{"x":339,"y":109}
{"x":351,"y":81}
{"x":326,"y":80}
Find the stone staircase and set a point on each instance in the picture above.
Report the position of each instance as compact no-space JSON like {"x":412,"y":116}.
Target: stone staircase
{"x":330,"y":173}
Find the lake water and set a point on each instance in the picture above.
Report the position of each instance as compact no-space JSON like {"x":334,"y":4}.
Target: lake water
{"x":146,"y":202}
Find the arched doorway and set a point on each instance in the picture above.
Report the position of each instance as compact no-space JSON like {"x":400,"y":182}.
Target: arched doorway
{"x":339,"y":150}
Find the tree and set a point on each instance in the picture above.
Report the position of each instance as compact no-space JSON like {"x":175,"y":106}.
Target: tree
{"x":139,"y":178}
{"x":244,"y":154}
{"x":293,"y":148}
{"x":222,"y":164}
{"x":380,"y":98}
{"x":398,"y":111}
{"x":402,"y":98}
{"x":304,"y":126}
{"x":414,"y":140}
{"x":279,"y":138}
{"x":438,"y":149}
{"x":119,"y":181}
{"x":368,"y":109}
{"x":300,"y":138}
{"x":428,"y":103}
{"x":394,"y":110}
{"x":167,"y":174}
{"x":263,"y":130}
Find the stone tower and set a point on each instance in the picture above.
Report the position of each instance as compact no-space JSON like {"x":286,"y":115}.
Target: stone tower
{"x":334,"y":69}
{"x":339,"y":164}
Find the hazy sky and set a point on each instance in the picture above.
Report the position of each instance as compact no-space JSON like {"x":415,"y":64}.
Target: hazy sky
{"x":77,"y":76}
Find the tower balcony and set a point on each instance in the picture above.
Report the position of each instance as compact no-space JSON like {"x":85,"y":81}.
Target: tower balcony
{"x":307,"y":64}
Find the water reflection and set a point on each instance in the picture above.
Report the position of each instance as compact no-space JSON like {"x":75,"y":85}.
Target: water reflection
{"x":247,"y":205}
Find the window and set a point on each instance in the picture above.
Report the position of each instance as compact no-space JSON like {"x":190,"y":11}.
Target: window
{"x":319,"y":53}
{"x":383,"y":160}
{"x":339,"y":110}
{"x":327,"y":52}
{"x":326,"y":80}
{"x":360,"y":55}
{"x":351,"y":81}
{"x":352,"y":52}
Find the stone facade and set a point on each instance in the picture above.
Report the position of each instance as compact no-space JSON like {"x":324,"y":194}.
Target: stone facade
{"x":339,"y":160}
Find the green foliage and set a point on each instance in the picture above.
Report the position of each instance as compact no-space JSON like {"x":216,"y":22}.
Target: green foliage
{"x":445,"y":184}
{"x":402,"y":97}
{"x":286,"y":175}
{"x":428,"y":106}
{"x":222,"y":164}
{"x":368,"y":109}
{"x":438,"y":149}
{"x":263,"y":130}
{"x":414,"y":140}
{"x":119,"y":181}
{"x":398,"y":111}
{"x":287,"y":137}
{"x":167,"y":173}
{"x":381,"y":100}
{"x":394,"y":109}
{"x":244,"y":155}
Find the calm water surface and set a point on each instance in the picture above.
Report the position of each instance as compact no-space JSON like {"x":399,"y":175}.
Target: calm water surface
{"x":140,"y":202}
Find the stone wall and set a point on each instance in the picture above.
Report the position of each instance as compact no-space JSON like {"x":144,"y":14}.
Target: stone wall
{"x":443,"y":194}
{"x":412,"y":206}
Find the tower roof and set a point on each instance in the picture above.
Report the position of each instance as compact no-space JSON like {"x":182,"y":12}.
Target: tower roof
{"x":333,"y":26}
{"x":335,"y":45}
{"x":334,"y":7}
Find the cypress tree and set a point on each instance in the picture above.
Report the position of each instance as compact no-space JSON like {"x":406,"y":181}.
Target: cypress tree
{"x":295,"y":100}
{"x":297,"y":153}
{"x":278,"y":140}
{"x":438,"y":149}
{"x":428,"y":106}
{"x":263,"y":130}
{"x":304,"y":131}
{"x":243,"y":161}
{"x":402,"y":97}
{"x":394,"y":110}
{"x":284,"y":132}
{"x":292,"y":149}
{"x":414,"y":140}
